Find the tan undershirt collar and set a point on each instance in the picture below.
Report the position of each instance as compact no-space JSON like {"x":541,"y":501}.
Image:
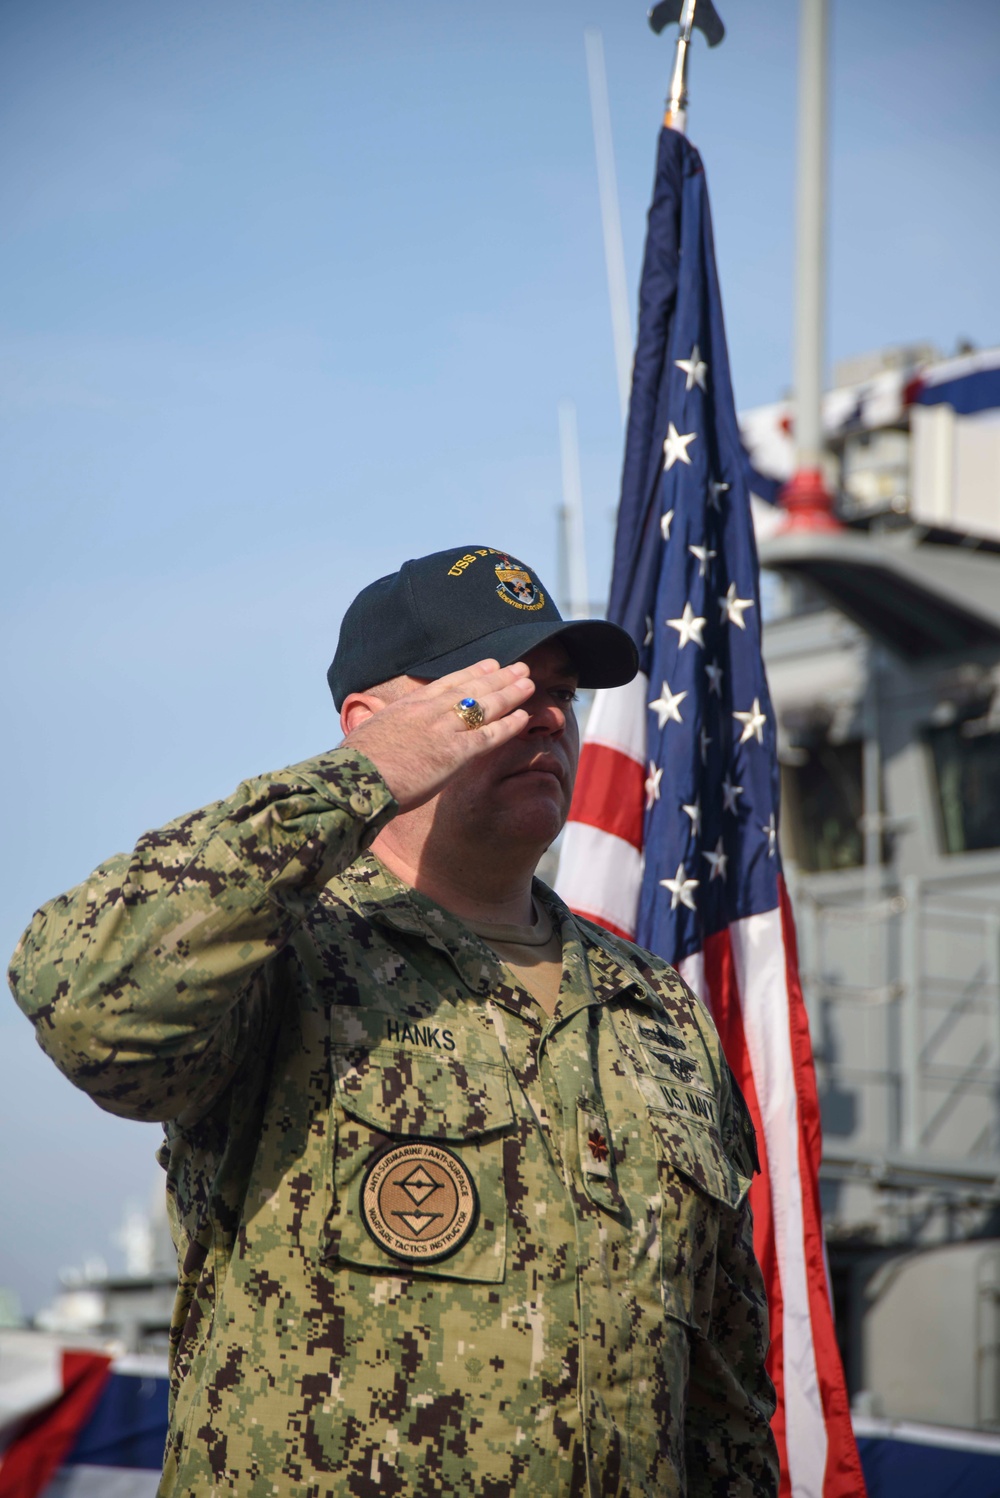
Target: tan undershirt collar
{"x":533,"y":953}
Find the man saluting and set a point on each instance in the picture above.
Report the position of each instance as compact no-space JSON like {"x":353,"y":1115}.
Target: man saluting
{"x":457,"y":1181}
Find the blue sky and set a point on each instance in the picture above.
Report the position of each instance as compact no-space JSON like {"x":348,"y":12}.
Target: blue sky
{"x":291,"y":291}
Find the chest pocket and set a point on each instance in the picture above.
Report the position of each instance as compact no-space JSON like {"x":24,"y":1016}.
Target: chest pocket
{"x":700,"y":1190}
{"x":418,"y":1153}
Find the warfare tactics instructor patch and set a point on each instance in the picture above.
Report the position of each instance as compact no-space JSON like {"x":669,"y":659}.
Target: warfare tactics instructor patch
{"x":418,"y":1202}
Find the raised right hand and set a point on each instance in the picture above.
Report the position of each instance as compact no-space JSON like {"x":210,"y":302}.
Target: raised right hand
{"x":418,"y":742}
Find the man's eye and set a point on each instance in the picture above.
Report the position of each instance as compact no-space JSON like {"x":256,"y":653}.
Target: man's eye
{"x":565,"y":694}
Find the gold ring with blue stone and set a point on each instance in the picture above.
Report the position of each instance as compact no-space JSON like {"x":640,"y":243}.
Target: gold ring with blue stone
{"x":470,"y":712}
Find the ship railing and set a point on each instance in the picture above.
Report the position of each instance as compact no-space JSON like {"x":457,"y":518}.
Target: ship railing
{"x":902,"y":987}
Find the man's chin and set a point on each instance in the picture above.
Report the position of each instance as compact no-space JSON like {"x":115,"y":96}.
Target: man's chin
{"x":536,"y":821}
{"x":537,"y":784}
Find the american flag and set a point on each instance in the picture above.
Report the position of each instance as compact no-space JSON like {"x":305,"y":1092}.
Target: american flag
{"x":672,"y":839}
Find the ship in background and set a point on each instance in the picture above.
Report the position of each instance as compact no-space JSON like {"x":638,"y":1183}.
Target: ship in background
{"x":882,"y":644}
{"x":84,"y":1387}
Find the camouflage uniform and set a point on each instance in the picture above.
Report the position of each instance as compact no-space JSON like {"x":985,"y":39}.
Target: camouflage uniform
{"x":595,"y":1325}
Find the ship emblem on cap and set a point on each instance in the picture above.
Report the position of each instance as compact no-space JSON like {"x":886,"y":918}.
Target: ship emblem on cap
{"x":515,"y":586}
{"x":418,"y":1202}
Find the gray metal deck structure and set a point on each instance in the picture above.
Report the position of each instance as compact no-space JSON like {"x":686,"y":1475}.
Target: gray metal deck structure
{"x":879,"y":641}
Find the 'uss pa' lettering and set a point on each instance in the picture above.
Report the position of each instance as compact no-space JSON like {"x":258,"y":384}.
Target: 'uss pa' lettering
{"x":426,"y":1035}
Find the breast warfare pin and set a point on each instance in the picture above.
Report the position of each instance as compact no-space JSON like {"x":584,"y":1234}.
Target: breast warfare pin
{"x":418,"y":1202}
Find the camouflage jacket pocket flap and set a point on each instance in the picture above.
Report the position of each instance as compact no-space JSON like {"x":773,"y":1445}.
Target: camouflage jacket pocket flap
{"x":696,"y":1153}
{"x":402,"y":1092}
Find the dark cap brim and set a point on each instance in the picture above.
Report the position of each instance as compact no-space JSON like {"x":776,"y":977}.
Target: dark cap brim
{"x":603,"y":653}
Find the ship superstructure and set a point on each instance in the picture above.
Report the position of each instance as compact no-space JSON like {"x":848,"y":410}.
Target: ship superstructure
{"x":883,"y":655}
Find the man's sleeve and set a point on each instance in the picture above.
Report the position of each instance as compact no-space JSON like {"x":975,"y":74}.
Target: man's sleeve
{"x":729,"y":1446}
{"x":138,"y":981}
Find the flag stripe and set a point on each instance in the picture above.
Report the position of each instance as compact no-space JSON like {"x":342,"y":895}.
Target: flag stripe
{"x":599,"y":877}
{"x":761,"y":976}
{"x":843,"y":1476}
{"x":617,"y":718}
{"x":609,"y":793}
{"x":716,"y":984}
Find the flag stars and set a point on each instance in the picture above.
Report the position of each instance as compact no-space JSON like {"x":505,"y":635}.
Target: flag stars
{"x":694,"y":812}
{"x":717,"y":860}
{"x":675,"y":447}
{"x":703,"y":742}
{"x":715,"y":490}
{"x":695,"y":370}
{"x":667,"y":706}
{"x":704,"y":556}
{"x":753,"y":723}
{"x":665,"y":522}
{"x":770,"y":831}
{"x":648,"y":637}
{"x":652,"y":784}
{"x":688,"y":627}
{"x":681,"y":889}
{"x":732,"y":609}
{"x":715,"y":673}
{"x":730,"y":795}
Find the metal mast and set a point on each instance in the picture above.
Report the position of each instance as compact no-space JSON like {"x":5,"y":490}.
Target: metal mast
{"x":806,"y":497}
{"x":574,"y":583}
{"x":611,"y":222}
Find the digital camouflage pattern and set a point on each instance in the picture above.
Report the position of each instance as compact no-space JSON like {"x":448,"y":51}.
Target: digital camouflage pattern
{"x":292,"y":1011}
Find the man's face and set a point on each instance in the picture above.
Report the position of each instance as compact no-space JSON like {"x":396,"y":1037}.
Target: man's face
{"x":520,"y":793}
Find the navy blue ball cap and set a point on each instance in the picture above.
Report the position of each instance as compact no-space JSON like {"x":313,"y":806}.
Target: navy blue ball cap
{"x":446,"y":611}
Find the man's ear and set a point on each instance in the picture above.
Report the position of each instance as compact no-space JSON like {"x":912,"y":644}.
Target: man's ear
{"x":357,"y":709}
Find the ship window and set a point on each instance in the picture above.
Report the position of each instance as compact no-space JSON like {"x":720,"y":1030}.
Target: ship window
{"x":967,"y":763}
{"x":823,"y":802}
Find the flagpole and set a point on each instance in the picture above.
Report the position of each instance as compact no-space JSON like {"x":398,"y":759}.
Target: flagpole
{"x":664,"y":13}
{"x":675,"y":117}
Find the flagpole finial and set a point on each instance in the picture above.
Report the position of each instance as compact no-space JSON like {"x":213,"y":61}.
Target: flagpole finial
{"x":683,"y":12}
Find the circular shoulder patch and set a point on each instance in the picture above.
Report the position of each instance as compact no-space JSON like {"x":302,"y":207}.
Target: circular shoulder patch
{"x":419,"y":1202}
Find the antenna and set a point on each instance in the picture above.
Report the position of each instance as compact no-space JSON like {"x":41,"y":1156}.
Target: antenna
{"x":611,"y":222}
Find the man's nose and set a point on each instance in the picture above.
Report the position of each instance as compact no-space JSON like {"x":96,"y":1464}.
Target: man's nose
{"x":545,"y":716}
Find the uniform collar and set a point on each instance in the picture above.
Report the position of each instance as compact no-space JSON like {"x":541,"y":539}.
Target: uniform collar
{"x":383,"y":898}
{"x":611,"y":973}
{"x":597,"y":971}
